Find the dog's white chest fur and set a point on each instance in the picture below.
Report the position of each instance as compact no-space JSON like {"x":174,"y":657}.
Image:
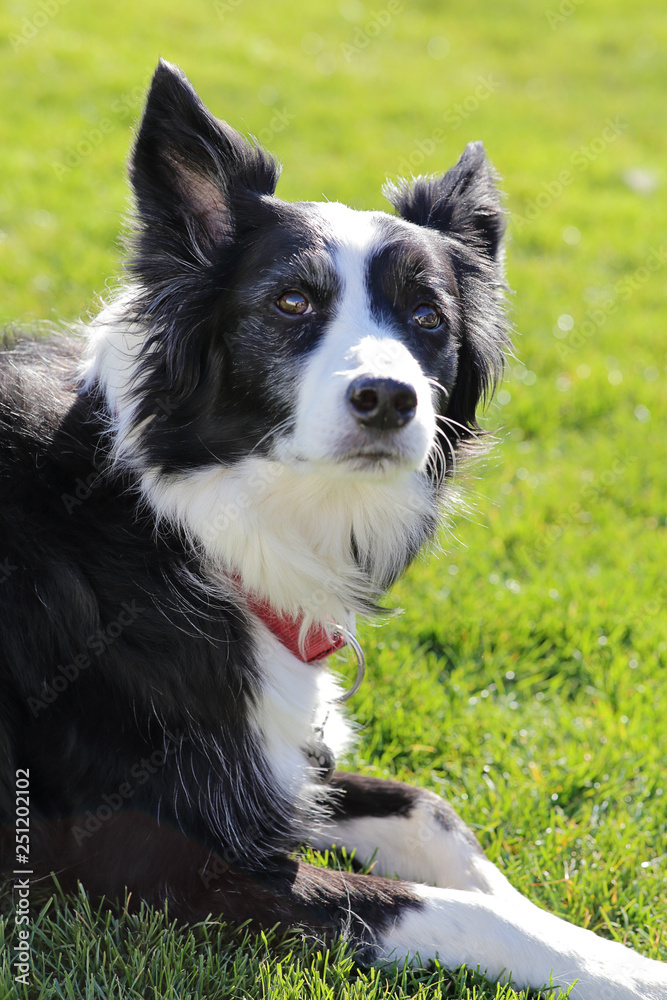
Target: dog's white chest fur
{"x":294,"y":699}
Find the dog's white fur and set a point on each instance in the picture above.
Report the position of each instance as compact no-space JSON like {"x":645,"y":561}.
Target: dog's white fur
{"x":511,"y":939}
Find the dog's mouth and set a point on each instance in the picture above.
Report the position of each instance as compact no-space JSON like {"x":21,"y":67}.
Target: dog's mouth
{"x":371,"y":456}
{"x":368,"y":462}
{"x":384,"y":454}
{"x":377,"y":460}
{"x":377,"y":451}
{"x":363,"y":458}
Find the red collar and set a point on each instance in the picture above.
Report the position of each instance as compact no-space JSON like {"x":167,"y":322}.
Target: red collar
{"x":317,"y":644}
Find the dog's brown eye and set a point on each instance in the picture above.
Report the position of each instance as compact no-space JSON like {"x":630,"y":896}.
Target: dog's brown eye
{"x":427,"y":316}
{"x":293,"y":303}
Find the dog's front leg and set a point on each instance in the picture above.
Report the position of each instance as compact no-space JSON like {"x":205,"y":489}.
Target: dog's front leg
{"x":474,"y":916}
{"x":409,"y":832}
{"x":382,"y":918}
{"x":517,"y":941}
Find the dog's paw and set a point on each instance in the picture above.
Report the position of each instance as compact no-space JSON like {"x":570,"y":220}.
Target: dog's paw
{"x":630,"y":978}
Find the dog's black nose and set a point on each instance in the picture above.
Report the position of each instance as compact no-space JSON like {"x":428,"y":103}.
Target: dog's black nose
{"x":382,"y":403}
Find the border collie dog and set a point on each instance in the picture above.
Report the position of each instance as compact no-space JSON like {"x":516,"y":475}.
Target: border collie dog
{"x":253,"y":442}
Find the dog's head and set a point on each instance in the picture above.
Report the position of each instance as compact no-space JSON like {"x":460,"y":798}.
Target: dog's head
{"x":292,"y":381}
{"x":354,"y":342}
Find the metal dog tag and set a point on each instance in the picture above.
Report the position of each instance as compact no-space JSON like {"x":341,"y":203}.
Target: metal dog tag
{"x":320,"y":757}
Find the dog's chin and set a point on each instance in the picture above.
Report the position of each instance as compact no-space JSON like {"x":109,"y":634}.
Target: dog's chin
{"x":377,"y":459}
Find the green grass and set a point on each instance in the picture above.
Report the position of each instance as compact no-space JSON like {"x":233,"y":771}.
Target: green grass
{"x":525,"y":680}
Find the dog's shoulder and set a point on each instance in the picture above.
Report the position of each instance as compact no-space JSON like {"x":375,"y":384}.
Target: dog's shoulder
{"x":38,"y":379}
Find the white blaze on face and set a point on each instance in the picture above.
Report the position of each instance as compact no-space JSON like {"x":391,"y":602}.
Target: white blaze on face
{"x":356,"y":344}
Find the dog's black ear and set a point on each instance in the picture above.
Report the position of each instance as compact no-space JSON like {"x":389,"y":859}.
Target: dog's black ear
{"x":464,"y":202}
{"x":187,"y":167}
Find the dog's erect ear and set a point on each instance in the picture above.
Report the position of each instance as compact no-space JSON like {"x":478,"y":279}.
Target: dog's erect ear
{"x":464,"y":202}
{"x":187,"y":167}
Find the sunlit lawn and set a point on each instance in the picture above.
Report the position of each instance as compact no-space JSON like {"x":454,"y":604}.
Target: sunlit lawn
{"x":525,"y":679}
